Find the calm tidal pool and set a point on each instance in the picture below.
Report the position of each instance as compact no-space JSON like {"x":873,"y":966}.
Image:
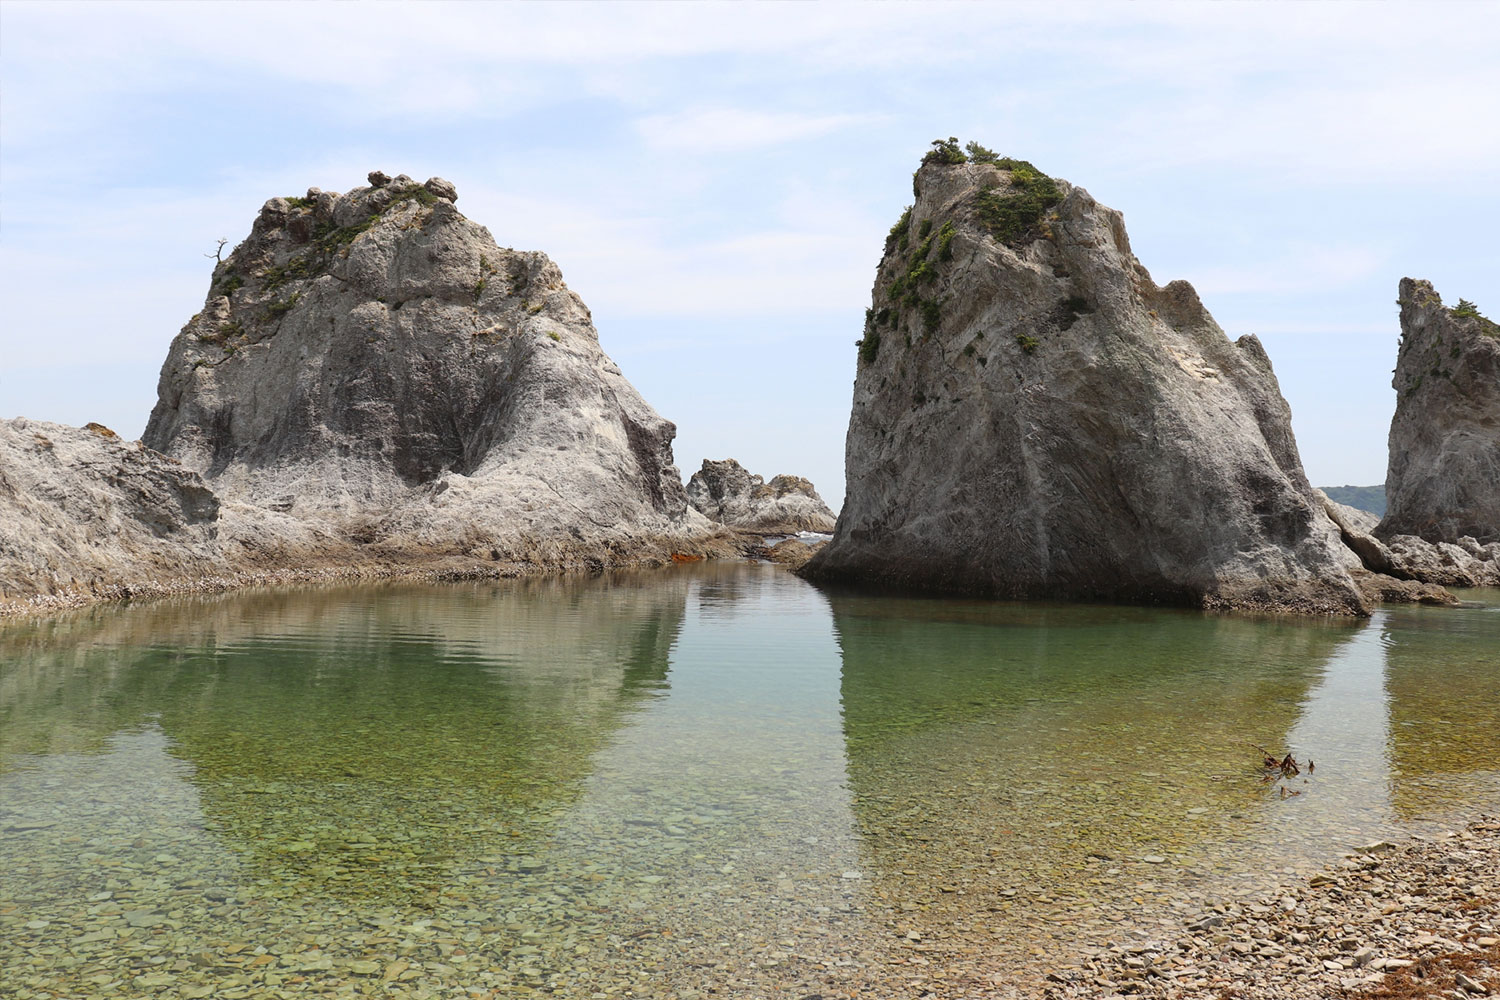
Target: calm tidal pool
{"x":715,"y":780}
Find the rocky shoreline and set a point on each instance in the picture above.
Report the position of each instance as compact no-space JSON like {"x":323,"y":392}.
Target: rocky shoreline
{"x":436,"y":570}
{"x":1392,"y":921}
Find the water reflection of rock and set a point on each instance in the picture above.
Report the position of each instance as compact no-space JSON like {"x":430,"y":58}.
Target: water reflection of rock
{"x":357,"y":740}
{"x":1443,"y":680}
{"x":1014,"y":763}
{"x":714,"y":839}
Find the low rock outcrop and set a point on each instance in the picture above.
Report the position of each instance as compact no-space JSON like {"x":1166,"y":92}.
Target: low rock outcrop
{"x":1409,"y":569}
{"x":1034,"y":417}
{"x":372,"y":386}
{"x":1443,"y":477}
{"x":725,"y":492}
{"x":793,"y":553}
{"x":80,"y":509}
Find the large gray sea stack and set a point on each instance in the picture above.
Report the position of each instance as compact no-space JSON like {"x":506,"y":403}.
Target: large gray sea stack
{"x":374,"y":365}
{"x":726,"y":492}
{"x":372,"y":387}
{"x":1034,"y":417}
{"x":1443,"y":478}
{"x":1442,"y":521}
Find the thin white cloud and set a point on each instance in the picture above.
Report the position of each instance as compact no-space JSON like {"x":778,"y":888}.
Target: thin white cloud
{"x":1297,"y":268}
{"x":640,"y":265}
{"x":724,"y":130}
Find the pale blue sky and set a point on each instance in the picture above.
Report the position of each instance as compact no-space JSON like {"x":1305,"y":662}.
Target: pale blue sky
{"x":716,"y":180}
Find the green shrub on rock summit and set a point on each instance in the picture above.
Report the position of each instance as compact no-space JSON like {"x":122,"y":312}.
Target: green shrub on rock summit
{"x":1468,"y":310}
{"x":945,"y":151}
{"x":1013,"y":215}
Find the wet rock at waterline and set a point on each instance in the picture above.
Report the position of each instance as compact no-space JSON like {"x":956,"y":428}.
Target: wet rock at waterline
{"x":1034,"y":417}
{"x":726,"y":492}
{"x":794,"y":553}
{"x":1443,"y":480}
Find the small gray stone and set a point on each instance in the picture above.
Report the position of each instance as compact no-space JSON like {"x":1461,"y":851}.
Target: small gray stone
{"x":441,"y":188}
{"x":1471,"y":985}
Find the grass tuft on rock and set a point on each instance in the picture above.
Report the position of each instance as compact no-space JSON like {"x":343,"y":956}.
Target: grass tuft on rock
{"x":1013,"y":215}
{"x":900,"y":232}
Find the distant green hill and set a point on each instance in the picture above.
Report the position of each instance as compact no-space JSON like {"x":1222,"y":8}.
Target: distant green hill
{"x":1370,"y":498}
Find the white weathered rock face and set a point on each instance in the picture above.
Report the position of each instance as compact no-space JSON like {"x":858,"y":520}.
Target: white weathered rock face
{"x":725,"y":492}
{"x":1034,"y":417}
{"x":372,"y":366}
{"x":372,"y":388}
{"x":1443,"y":478}
{"x":82,"y":509}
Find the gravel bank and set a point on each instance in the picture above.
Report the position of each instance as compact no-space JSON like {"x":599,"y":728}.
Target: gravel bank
{"x":1413,"y":920}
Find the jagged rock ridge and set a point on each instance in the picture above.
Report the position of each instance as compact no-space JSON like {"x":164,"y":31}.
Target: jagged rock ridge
{"x":1443,"y":477}
{"x":1034,"y":417}
{"x":1442,"y":523}
{"x":727,"y":493}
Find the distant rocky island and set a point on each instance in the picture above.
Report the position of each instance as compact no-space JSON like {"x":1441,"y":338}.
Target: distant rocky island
{"x":374,"y":387}
{"x":1034,"y":417}
{"x":729,"y":494}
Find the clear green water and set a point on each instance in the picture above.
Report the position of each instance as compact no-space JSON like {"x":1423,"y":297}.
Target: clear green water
{"x":716,"y":780}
